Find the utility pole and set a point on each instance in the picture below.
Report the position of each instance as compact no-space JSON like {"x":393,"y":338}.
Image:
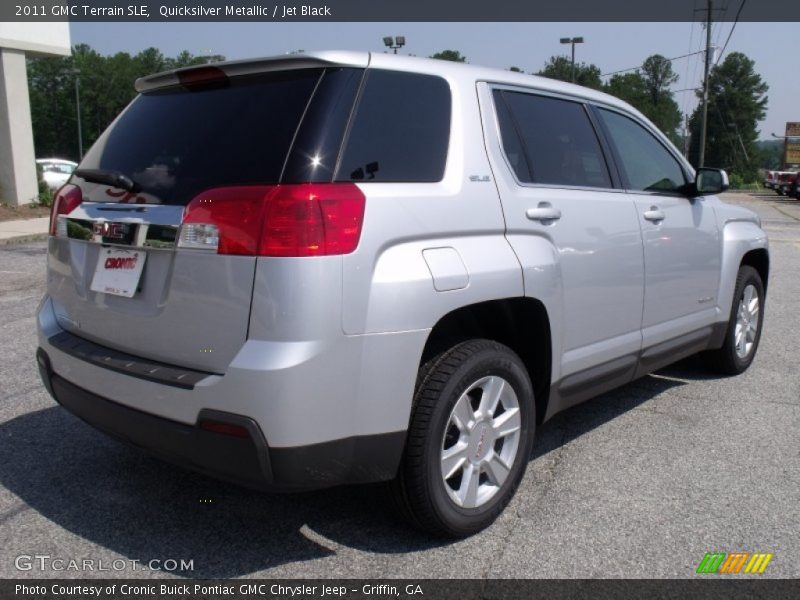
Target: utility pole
{"x":704,"y":122}
{"x":77,"y":74}
{"x":686,"y":131}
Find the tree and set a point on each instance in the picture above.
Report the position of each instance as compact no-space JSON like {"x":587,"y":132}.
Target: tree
{"x":770,"y":154}
{"x":451,"y":55}
{"x":515,"y":70}
{"x":106,"y":86}
{"x":658,"y":76}
{"x":150,"y":60}
{"x":630,"y":87}
{"x":186,"y":59}
{"x":661,"y":107}
{"x":560,"y":67}
{"x":737,"y":101}
{"x":51,"y":86}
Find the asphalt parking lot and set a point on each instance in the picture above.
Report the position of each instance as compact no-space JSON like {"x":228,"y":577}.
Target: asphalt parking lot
{"x":640,"y":482}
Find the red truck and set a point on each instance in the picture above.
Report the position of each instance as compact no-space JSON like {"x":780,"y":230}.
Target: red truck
{"x":783,"y":182}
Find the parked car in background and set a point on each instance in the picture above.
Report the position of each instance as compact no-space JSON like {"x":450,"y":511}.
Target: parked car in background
{"x":781,"y":182}
{"x":310,"y":270}
{"x":55,"y":171}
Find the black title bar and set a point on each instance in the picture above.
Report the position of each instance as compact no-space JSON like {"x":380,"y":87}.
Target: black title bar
{"x":704,"y":586}
{"x":398,"y":10}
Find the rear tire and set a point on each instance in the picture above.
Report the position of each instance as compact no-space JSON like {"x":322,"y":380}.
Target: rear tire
{"x":744,"y":326}
{"x":469,"y":439}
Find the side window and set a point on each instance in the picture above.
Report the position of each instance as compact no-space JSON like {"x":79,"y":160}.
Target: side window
{"x":558,"y":139}
{"x":646,"y":163}
{"x":400,"y":131}
{"x":512,"y":145}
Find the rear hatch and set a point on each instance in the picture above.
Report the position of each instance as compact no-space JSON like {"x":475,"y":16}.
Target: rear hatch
{"x":154,"y":241}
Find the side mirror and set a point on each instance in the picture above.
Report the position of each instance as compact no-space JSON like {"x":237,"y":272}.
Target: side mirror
{"x":710,"y":181}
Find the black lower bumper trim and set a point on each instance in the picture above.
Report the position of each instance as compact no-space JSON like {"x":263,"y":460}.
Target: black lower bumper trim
{"x":359,"y":459}
{"x":237,"y":459}
{"x":244,"y":460}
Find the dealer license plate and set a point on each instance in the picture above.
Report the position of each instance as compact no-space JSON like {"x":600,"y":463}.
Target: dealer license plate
{"x":118,"y":271}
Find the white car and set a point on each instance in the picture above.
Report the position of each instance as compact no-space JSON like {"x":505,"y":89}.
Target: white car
{"x":56,"y":171}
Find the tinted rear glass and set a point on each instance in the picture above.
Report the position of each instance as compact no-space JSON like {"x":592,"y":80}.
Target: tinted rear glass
{"x":512,"y":145}
{"x":318,"y":142}
{"x":401,"y":129}
{"x":176,"y":143}
{"x":559,"y":141}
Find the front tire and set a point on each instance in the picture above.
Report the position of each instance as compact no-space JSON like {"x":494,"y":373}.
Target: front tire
{"x":469,"y":439}
{"x":744,"y":326}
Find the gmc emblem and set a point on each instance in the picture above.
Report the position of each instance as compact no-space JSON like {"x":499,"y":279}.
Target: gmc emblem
{"x":114,"y":231}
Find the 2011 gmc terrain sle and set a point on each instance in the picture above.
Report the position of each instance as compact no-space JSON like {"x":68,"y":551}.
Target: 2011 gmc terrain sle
{"x":310,"y":270}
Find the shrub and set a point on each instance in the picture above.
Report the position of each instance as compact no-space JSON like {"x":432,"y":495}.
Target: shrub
{"x":45,"y":196}
{"x":736,"y":181}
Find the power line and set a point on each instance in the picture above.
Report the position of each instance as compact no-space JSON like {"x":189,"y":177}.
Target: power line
{"x":688,"y":63}
{"x":735,"y":21}
{"x":640,"y":66}
{"x":692,"y":63}
{"x":720,"y":20}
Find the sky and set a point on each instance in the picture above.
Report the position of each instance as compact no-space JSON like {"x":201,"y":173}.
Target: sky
{"x":611,"y":46}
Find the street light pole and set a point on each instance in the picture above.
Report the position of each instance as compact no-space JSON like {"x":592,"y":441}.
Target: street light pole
{"x":573,"y":41}
{"x":78,"y":113}
{"x":393,"y":43}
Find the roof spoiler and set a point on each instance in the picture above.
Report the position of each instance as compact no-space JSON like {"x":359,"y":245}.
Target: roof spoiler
{"x":258,"y":65}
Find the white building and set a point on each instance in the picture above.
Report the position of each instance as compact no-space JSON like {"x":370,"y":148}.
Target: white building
{"x":18,"y":183}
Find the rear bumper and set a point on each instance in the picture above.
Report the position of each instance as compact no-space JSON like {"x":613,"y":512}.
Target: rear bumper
{"x":245,"y":460}
{"x":326,"y":412}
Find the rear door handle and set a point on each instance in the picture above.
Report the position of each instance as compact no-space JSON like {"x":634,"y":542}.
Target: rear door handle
{"x":655,"y":214}
{"x":544,"y":212}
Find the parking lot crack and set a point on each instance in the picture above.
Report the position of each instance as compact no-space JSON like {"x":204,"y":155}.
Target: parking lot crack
{"x":10,"y":514}
{"x":541,"y":489}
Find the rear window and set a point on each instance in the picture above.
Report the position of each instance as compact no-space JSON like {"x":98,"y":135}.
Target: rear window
{"x":177,"y":142}
{"x":401,"y":129}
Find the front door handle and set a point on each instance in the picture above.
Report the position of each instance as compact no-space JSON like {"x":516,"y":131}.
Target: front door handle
{"x":655,"y":214}
{"x":543,"y":212}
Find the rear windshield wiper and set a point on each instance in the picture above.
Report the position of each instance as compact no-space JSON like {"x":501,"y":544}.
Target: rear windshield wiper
{"x":114,"y":178}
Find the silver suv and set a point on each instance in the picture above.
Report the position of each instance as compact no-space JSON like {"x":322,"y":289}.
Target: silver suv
{"x":311,"y":270}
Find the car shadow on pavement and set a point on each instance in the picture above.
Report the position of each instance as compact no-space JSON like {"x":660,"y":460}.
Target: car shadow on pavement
{"x":143,"y":509}
{"x":583,"y":418}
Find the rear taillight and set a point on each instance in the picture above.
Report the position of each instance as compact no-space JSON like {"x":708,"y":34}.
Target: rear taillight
{"x":66,"y":199}
{"x":312,"y":219}
{"x":227,"y":220}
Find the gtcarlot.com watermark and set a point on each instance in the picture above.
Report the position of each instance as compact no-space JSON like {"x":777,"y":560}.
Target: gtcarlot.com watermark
{"x":45,"y":562}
